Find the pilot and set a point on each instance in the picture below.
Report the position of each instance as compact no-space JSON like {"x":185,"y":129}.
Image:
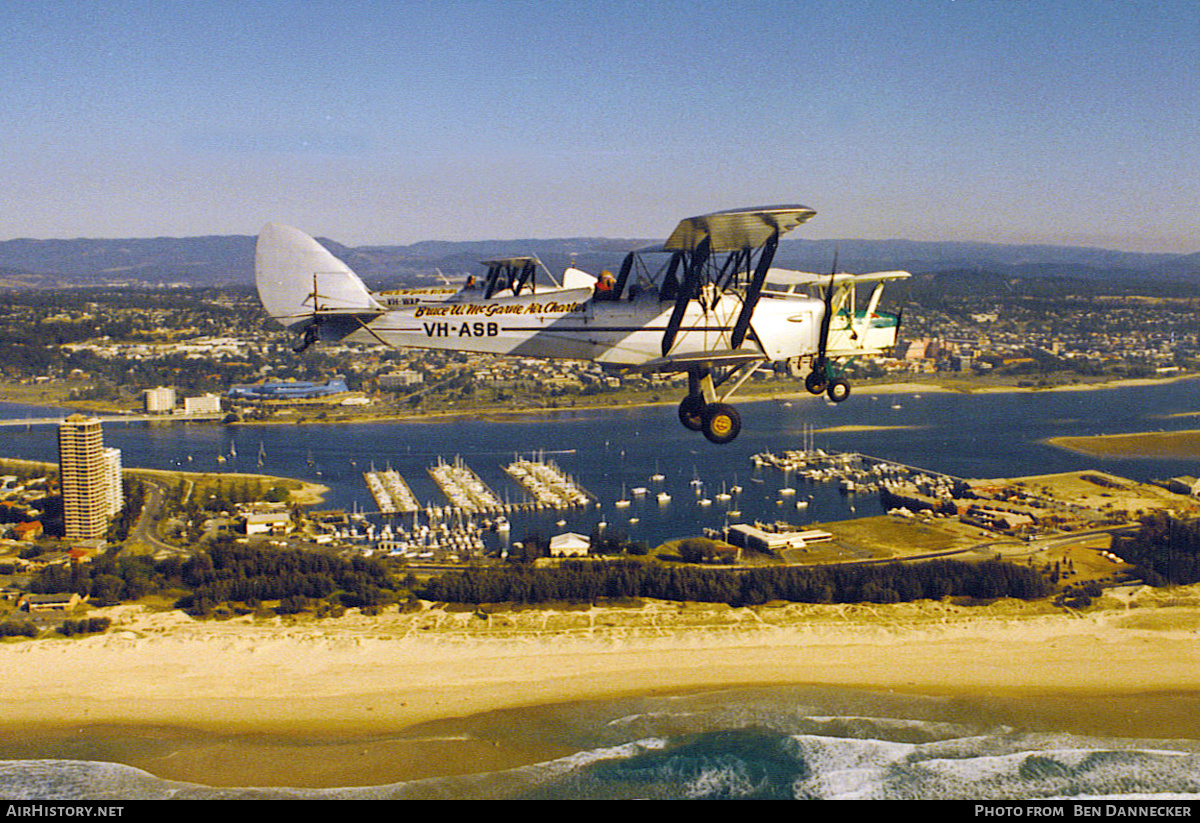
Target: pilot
{"x":470,"y":284}
{"x":606,"y":282}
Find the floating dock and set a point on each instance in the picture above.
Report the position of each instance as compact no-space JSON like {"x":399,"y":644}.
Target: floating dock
{"x":463,"y":488}
{"x":550,"y":487}
{"x":391,"y":493}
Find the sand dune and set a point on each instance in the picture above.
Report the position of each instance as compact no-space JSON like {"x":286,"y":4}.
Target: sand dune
{"x":392,"y":671}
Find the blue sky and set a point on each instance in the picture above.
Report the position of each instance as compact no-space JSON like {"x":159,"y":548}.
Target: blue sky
{"x":1057,"y":121}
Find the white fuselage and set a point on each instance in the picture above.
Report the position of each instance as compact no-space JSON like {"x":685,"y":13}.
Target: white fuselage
{"x":571,"y":323}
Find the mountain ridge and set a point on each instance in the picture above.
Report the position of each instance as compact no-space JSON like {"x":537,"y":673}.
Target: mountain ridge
{"x":229,"y":259}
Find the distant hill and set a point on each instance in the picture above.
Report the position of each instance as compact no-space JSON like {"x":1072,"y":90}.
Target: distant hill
{"x":216,"y":260}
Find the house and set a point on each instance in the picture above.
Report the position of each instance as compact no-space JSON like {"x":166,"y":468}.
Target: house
{"x":61,"y":602}
{"x":268,"y":523}
{"x":569,"y":544}
{"x":27,"y":532}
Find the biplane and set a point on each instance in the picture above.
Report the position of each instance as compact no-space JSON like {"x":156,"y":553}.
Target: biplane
{"x":706,"y":302}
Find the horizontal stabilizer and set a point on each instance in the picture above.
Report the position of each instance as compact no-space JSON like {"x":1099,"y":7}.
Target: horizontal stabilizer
{"x":299,"y":280}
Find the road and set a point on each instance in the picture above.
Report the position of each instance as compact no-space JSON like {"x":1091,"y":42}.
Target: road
{"x":144,"y":537}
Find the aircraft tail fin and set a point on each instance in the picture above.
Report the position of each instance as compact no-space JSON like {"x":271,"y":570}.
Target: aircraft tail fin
{"x":300,"y":283}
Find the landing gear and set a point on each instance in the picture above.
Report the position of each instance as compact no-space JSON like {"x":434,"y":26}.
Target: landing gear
{"x":827,"y":379}
{"x":704,"y":410}
{"x":838,"y":390}
{"x":691,"y":412}
{"x":721,"y":423}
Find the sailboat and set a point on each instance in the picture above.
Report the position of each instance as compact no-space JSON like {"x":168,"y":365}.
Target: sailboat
{"x":624,"y":501}
{"x":657,"y":477}
{"x":262,"y":454}
{"x":723,"y":495}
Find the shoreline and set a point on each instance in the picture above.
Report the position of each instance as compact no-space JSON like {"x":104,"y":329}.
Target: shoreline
{"x":360,"y":674}
{"x":780,"y":394}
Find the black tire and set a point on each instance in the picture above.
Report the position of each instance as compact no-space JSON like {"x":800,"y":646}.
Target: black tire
{"x":816,"y":381}
{"x":691,"y":412}
{"x":838,"y":390}
{"x":722,"y":423}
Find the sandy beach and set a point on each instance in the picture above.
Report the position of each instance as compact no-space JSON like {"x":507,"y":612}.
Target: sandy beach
{"x":396,"y":670}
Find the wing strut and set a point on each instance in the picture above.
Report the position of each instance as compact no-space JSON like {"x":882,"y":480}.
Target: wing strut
{"x":826,"y":318}
{"x":753,"y":290}
{"x":687,"y":291}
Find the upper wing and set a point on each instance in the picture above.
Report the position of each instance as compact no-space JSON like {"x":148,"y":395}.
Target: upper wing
{"x":736,"y":229}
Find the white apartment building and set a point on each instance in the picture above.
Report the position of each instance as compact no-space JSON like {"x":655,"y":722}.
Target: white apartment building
{"x":204,"y":404}
{"x":90,"y":477}
{"x":160,"y":400}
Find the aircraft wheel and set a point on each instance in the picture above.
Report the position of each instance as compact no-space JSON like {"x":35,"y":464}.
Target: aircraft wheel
{"x":691,"y":412}
{"x":721,"y":422}
{"x":816,"y":381}
{"x":838,"y":390}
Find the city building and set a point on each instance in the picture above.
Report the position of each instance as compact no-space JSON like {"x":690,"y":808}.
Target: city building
{"x":288,"y":390}
{"x":401,"y":379}
{"x":90,"y":477}
{"x":569,"y":544}
{"x":267,"y":523}
{"x":159,"y":400}
{"x":204,"y":404}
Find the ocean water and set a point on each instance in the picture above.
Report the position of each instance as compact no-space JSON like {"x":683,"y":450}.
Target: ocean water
{"x":773,"y":743}
{"x":778,"y":743}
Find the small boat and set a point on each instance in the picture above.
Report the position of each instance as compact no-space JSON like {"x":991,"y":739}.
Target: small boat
{"x":624,"y":501}
{"x":663,"y":497}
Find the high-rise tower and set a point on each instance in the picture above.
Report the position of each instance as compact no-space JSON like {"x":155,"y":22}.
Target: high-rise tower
{"x":90,"y":479}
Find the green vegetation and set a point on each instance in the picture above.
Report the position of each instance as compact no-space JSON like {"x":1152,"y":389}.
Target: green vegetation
{"x":228,"y":573}
{"x":883,"y":583}
{"x":1165,"y":549}
{"x":18,"y":628}
{"x":88,"y":625}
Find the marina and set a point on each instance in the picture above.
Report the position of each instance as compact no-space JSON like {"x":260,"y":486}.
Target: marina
{"x":548,"y":485}
{"x":391,"y":493}
{"x":464,"y":489}
{"x":935,"y":440}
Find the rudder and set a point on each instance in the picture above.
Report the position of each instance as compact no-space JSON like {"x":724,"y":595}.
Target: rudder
{"x":299,"y":280}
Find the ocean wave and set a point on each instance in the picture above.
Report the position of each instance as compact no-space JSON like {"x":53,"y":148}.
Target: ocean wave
{"x":988,"y":768}
{"x":732,"y":745}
